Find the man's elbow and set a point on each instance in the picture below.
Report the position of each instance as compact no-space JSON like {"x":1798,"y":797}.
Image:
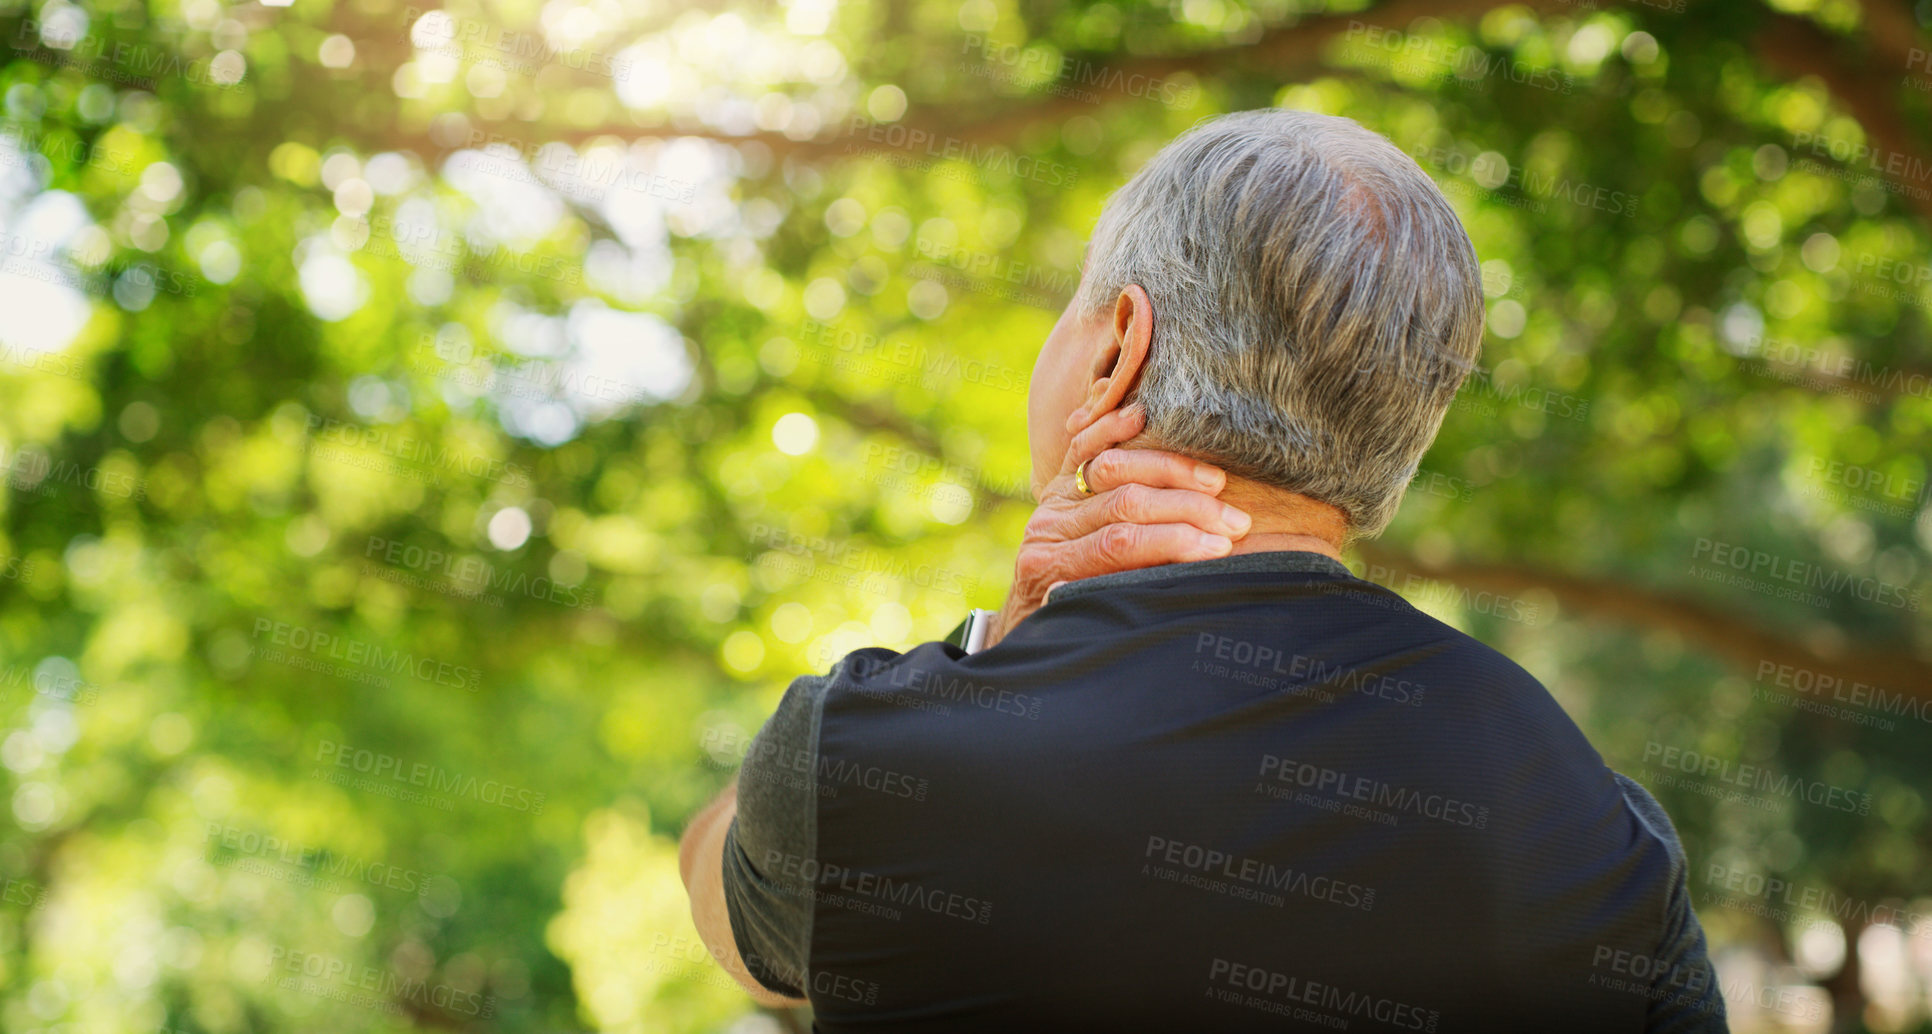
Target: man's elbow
{"x":700,"y":863}
{"x":688,"y":847}
{"x":723,"y":807}
{"x":765,"y":996}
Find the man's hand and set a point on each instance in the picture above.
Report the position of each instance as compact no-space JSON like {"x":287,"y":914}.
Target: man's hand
{"x":1147,"y":508}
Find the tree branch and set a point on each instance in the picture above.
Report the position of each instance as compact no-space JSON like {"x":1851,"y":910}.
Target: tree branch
{"x":1793,"y":45}
{"x":1286,"y":51}
{"x":1714,"y":629}
{"x":1798,"y":47}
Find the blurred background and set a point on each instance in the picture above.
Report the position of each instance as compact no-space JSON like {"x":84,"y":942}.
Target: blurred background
{"x":433,"y":439}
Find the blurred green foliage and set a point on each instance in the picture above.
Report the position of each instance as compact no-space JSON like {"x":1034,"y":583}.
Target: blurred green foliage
{"x":434,"y":440}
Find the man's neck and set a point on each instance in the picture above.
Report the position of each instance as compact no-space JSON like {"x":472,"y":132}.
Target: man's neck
{"x":1284,"y":520}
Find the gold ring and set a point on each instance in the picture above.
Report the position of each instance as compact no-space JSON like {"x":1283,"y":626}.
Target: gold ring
{"x":1080,"y":479}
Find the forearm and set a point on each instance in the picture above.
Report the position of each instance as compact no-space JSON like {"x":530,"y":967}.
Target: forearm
{"x":719,"y":814}
{"x":700,"y":856}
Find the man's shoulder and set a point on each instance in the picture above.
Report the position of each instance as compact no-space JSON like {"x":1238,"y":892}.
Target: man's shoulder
{"x":858,"y":669}
{"x":876,"y":668}
{"x":1651,"y":818}
{"x":792,"y":730}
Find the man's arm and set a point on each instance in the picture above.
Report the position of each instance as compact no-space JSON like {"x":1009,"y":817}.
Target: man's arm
{"x":701,"y":864}
{"x":756,"y":922}
{"x":1684,"y":993}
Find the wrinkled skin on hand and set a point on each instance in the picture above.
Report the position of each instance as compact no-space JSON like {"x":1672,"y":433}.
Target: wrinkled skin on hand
{"x":1148,"y":508}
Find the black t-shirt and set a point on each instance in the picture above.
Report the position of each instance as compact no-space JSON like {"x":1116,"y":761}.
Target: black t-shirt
{"x":1253,"y":793}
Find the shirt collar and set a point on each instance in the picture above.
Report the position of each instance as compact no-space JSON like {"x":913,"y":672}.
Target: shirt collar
{"x":1276,"y":561}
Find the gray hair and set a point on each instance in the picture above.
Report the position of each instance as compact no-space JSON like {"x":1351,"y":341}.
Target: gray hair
{"x":1316,"y":304}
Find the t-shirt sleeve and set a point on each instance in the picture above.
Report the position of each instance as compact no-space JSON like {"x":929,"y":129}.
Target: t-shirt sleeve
{"x":1684,"y":993}
{"x":774,"y":834}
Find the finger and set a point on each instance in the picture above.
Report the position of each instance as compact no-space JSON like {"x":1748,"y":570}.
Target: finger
{"x":1153,"y":467}
{"x":1137,"y":503}
{"x":1123,"y":547}
{"x":1105,"y":433}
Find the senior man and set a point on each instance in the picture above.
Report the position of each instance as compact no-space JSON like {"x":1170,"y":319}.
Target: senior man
{"x":1215,"y":783}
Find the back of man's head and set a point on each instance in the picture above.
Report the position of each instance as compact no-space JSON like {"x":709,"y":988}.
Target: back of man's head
{"x":1316,"y":304}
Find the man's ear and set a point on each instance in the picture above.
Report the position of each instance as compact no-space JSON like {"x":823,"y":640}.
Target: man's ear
{"x":1117,"y":365}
